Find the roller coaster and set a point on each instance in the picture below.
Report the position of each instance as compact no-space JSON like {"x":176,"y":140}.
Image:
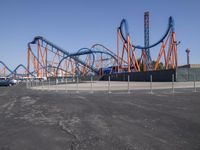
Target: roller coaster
{"x":19,"y":72}
{"x":168,"y":50}
{"x":53,"y":61}
{"x":45,"y":59}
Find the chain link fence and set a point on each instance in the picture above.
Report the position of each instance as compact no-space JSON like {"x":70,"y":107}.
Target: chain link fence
{"x":187,"y":74}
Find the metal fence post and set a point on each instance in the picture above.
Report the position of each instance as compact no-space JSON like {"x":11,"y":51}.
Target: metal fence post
{"x":172,"y":83}
{"x":33,"y":83}
{"x":109,"y":84}
{"x":195,"y":83}
{"x":129,"y":84}
{"x":66,"y":85}
{"x":77,"y":90}
{"x":91,"y":85}
{"x":151,"y":91}
{"x":42,"y":84}
{"x":49,"y":84}
{"x":26,"y":83}
{"x":56,"y":85}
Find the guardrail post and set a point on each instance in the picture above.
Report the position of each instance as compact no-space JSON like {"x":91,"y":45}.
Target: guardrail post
{"x":42,"y":84}
{"x":109,"y":85}
{"x":91,"y":85}
{"x":129,"y":84}
{"x":49,"y":84}
{"x":151,"y":90}
{"x":56,"y":85}
{"x":66,"y":85}
{"x":26,"y":83}
{"x":77,"y":80}
{"x":172,"y":83}
{"x":195,"y":83}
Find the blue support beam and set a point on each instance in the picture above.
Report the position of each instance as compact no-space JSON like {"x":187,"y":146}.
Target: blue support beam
{"x":146,"y":36}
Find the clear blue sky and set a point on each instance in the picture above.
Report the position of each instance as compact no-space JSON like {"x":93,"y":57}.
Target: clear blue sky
{"x":73,"y":24}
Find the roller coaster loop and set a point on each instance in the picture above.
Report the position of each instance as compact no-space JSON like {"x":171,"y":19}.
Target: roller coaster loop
{"x":167,"y":42}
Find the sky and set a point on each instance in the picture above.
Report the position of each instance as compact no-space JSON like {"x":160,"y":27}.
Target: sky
{"x":73,"y":24}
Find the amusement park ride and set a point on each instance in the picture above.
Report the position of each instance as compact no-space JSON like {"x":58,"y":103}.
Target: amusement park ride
{"x":45,"y":59}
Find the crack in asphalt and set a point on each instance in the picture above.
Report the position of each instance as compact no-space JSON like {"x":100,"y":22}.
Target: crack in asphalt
{"x":75,"y":142}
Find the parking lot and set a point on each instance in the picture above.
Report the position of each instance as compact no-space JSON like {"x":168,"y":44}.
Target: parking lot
{"x":59,"y":120}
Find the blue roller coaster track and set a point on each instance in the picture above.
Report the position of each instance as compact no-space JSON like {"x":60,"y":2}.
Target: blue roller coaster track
{"x":124,"y":31}
{"x":14,"y":72}
{"x":75,"y":56}
{"x":37,"y":38}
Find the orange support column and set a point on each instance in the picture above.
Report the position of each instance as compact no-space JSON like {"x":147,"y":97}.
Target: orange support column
{"x":118,"y":63}
{"x":67,"y":66}
{"x":128,"y":54}
{"x":38,"y":57}
{"x":28,"y":62}
{"x":4,"y":71}
{"x":46,"y":65}
{"x":175,"y":50}
{"x":159,"y":55}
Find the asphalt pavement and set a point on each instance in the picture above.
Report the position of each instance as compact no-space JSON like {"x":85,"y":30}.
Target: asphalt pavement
{"x":49,"y":120}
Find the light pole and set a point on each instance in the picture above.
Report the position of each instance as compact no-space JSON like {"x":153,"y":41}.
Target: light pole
{"x":188,"y":60}
{"x":188,"y":56}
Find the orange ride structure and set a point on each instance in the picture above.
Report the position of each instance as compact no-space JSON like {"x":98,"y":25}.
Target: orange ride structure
{"x":46,"y":59}
{"x":126,"y":50}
